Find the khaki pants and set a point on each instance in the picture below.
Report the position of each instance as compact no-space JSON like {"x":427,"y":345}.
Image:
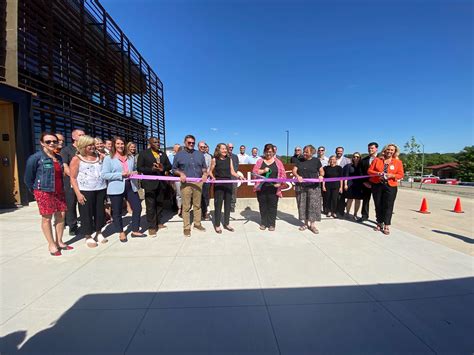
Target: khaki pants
{"x":191,"y":194}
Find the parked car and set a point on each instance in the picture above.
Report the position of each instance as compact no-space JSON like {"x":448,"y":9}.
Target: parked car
{"x":429,"y":179}
{"x":448,"y":181}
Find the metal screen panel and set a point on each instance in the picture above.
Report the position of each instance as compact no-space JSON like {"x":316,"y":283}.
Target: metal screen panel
{"x":86,"y":73}
{"x":3,"y":38}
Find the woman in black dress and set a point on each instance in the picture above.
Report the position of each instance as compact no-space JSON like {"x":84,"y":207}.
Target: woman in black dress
{"x":222,"y":169}
{"x":308,"y":194}
{"x":353,"y":188}
{"x":332,"y":189}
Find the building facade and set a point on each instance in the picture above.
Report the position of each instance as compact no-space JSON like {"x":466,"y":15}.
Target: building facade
{"x":65,"y":64}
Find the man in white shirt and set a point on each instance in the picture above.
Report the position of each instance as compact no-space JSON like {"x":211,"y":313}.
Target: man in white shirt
{"x":242,"y":156}
{"x":322,"y":157}
{"x":206,"y":188}
{"x":177,"y":184}
{"x":253,"y":159}
{"x":342,"y":161}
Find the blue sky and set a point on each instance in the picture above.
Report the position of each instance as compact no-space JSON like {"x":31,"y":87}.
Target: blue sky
{"x":331,"y":72}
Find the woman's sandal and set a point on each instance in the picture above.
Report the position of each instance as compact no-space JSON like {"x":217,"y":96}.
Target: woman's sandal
{"x":262,"y":227}
{"x":218,"y":230}
{"x":378,"y":228}
{"x":57,"y":253}
{"x":303,"y":228}
{"x":101,"y":238}
{"x":90,"y":242}
{"x":314,"y":230}
{"x":386,"y":230}
{"x":123,"y":237}
{"x":66,"y":247}
{"x":229,"y":228}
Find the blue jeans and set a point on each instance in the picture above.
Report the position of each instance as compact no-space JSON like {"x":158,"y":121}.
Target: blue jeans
{"x":134,"y":200}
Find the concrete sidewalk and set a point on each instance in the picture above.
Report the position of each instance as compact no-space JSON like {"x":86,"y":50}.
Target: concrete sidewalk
{"x":347,"y":290}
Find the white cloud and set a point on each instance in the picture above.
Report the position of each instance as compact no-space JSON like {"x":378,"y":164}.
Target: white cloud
{"x":214,"y":129}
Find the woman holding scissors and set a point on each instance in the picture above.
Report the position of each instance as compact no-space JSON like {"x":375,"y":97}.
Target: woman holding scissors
{"x":388,"y":170}
{"x":268,"y":193}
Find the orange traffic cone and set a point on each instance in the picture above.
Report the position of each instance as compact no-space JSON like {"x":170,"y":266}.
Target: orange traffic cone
{"x":424,"y":207}
{"x":457,"y":206}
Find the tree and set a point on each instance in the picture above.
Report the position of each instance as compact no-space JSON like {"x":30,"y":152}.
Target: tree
{"x":411,"y":159}
{"x":466,"y":164}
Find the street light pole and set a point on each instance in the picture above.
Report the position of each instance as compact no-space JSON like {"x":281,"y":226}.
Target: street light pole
{"x":287,"y":145}
{"x":422,"y":159}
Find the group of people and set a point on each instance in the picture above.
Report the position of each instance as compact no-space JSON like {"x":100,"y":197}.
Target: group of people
{"x":101,"y":177}
{"x":356,"y":180}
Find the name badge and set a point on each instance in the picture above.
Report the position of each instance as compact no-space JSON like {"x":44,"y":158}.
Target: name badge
{"x":47,"y":165}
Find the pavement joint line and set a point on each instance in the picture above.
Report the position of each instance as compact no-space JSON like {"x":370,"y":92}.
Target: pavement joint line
{"x":257,"y":305}
{"x":147,"y":309}
{"x":380,"y":303}
{"x":17,"y":256}
{"x":87,"y":261}
{"x":389,"y":249}
{"x":263,"y":294}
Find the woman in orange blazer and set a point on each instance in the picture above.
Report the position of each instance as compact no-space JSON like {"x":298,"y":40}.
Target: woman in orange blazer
{"x":388,"y":169}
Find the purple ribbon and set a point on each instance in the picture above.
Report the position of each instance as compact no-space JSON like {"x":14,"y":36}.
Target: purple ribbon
{"x":176,"y":179}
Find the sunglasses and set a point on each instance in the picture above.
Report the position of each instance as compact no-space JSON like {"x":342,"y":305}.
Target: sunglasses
{"x":190,"y":142}
{"x":50,"y":142}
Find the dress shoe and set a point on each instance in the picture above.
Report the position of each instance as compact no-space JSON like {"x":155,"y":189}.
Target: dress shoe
{"x":73,"y":230}
{"x":199,"y":227}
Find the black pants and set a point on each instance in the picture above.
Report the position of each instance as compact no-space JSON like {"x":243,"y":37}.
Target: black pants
{"x":331,"y":199}
{"x":222,"y":193}
{"x":71,"y":202}
{"x":206,"y":191}
{"x":341,"y":204}
{"x":154,"y":205}
{"x":323,"y":198}
{"x":366,"y":194}
{"x":268,"y":204}
{"x":92,"y":212}
{"x":233,"y":200}
{"x":384,"y":199}
{"x":134,"y":200}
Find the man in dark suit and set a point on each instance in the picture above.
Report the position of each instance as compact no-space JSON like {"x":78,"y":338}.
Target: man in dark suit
{"x":366,"y":185}
{"x":154,"y":162}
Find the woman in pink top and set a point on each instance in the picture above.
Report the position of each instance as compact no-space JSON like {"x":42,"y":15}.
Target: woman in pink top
{"x":268,"y":193}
